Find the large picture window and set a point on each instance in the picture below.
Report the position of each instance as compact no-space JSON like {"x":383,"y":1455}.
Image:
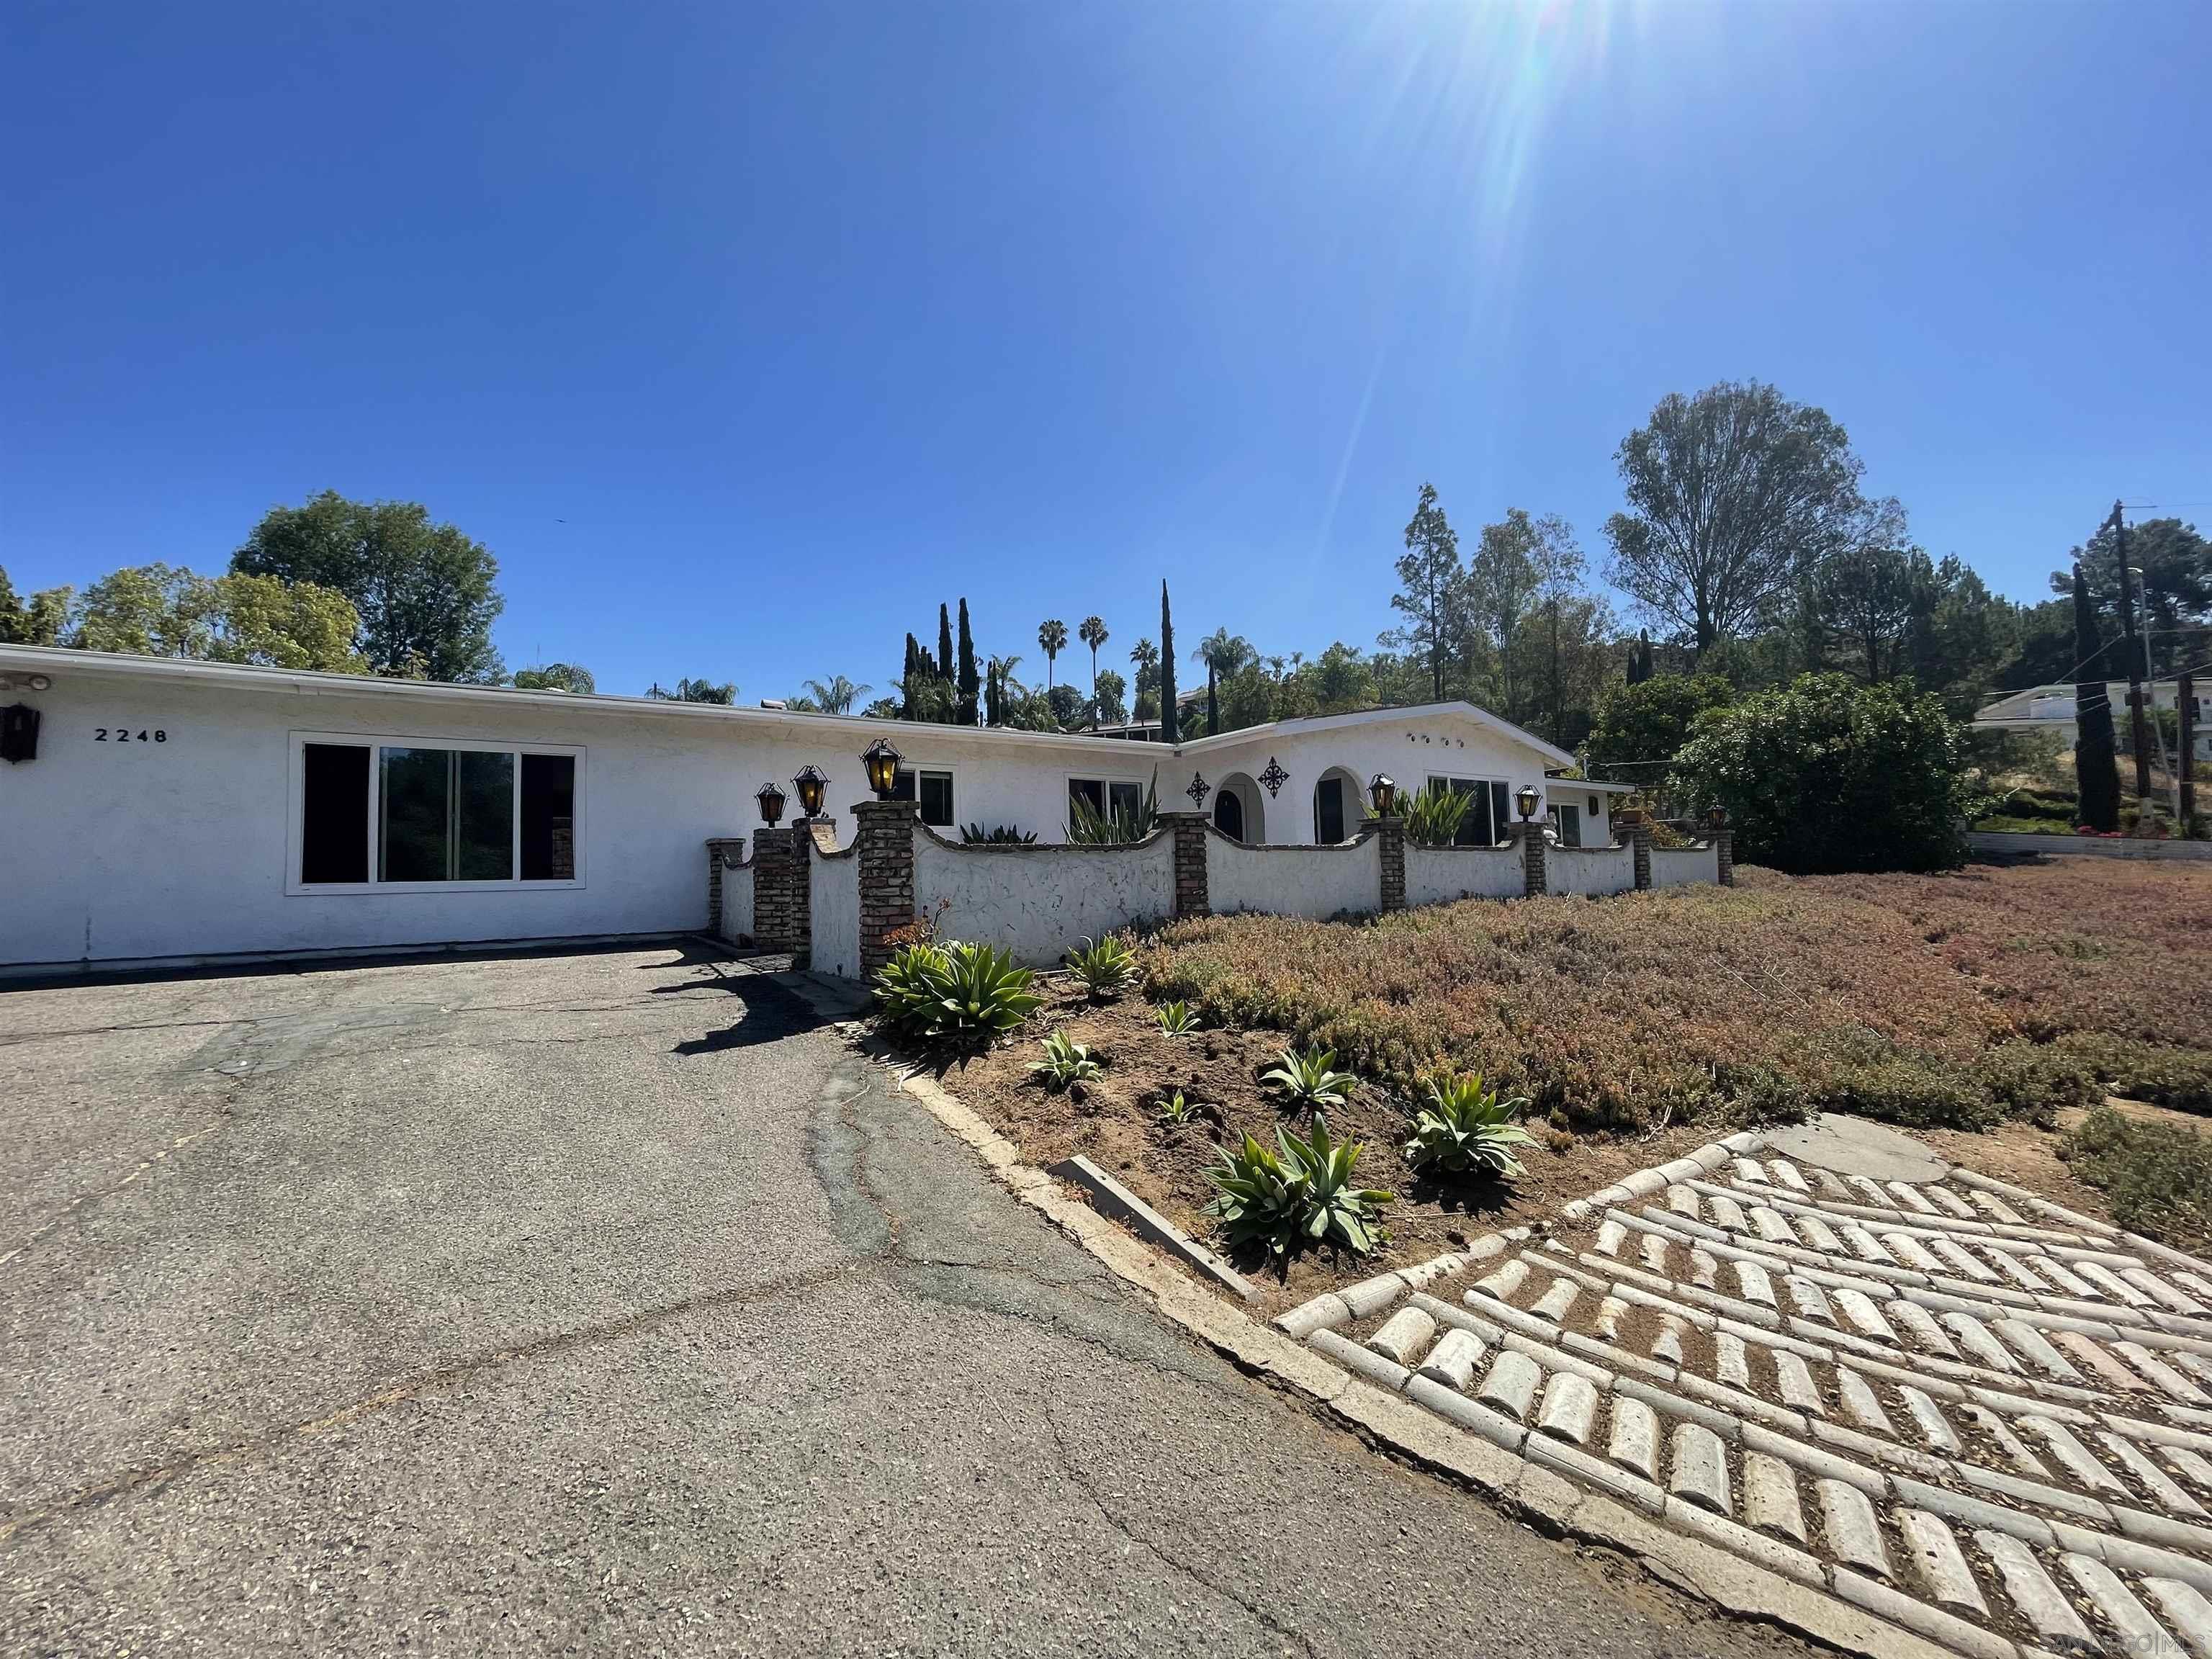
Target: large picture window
{"x":420,"y":812}
{"x":1489,"y":815}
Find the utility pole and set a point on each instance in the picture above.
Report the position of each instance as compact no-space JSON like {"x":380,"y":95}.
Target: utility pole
{"x":2138,"y":720}
{"x":2187,"y":701}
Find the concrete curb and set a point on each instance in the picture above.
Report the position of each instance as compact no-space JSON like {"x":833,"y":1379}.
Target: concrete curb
{"x":1394,"y":1424}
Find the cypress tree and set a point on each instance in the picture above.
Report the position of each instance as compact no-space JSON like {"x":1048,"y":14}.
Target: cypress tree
{"x":944,"y":643}
{"x":967,"y":681}
{"x":1168,"y":731}
{"x":2096,"y":770}
{"x":907,"y":680}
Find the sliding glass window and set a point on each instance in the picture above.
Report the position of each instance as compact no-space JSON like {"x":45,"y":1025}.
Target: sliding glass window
{"x":430,"y":812}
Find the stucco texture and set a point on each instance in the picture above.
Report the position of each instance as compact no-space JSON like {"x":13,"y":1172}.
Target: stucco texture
{"x":1673,"y":867}
{"x":736,"y":902}
{"x":1038,"y":901}
{"x":1588,"y":870}
{"x":1439,"y":875}
{"x":1294,"y":881}
{"x":834,"y":907}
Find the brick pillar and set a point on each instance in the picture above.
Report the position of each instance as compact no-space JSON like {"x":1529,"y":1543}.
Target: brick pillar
{"x":1392,"y":832}
{"x":1189,"y":831}
{"x":1532,"y":858}
{"x":1640,"y":836}
{"x":802,"y":893}
{"x":883,"y":832}
{"x":720,"y":849}
{"x":1724,"y":855}
{"x":773,"y":917}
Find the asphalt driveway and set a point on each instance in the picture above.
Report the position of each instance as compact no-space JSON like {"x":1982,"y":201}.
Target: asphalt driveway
{"x":609,"y":1302}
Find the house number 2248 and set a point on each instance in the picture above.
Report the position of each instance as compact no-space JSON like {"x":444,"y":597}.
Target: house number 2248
{"x":119,"y":734}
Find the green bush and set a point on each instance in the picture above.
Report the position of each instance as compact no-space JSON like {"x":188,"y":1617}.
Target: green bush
{"x":1308,"y":1080}
{"x":1107,"y":967}
{"x":1646,"y":725}
{"x":2156,"y":1177}
{"x":956,"y":994}
{"x":2037,"y":1081}
{"x":1066,"y":1062}
{"x":1466,"y":1128}
{"x":1905,"y":1087}
{"x":1828,"y":775}
{"x":1301,"y":1194}
{"x":2161,"y":1074}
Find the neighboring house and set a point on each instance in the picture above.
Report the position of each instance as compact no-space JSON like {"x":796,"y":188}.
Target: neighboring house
{"x":178,"y":809}
{"x":2051,"y":708}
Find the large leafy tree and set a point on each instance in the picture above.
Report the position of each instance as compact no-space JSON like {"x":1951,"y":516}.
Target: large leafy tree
{"x":1224,"y":653}
{"x":1109,"y":697}
{"x":1640,"y":728}
{"x":38,"y":620}
{"x":1145,"y":656}
{"x":1869,"y":588}
{"x":1520,"y":563}
{"x":2175,"y":587}
{"x":557,"y":677}
{"x":1431,"y":592}
{"x":166,"y":610}
{"x":427,"y":593}
{"x":1733,"y":495}
{"x":1826,"y":774}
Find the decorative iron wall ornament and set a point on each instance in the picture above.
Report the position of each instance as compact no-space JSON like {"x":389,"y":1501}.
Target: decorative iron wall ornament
{"x":1199,"y":790}
{"x":1274,"y":777}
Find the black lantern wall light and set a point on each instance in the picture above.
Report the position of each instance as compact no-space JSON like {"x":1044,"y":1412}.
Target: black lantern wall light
{"x":882,"y":762}
{"x":810,"y":782}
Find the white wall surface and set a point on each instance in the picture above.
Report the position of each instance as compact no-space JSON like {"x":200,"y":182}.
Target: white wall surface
{"x":1411,"y":748}
{"x":833,"y":909}
{"x":1672,"y":867}
{"x":1038,"y":901}
{"x":1588,"y":870}
{"x":737,"y":901}
{"x":1439,"y":875}
{"x":1293,"y":881}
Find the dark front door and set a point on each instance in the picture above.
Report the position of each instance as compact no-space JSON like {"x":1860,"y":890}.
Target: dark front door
{"x":1328,"y":811}
{"x":1228,"y":815}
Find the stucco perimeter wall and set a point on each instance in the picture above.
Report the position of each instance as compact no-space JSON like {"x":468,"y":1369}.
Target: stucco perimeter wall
{"x":834,"y":896}
{"x":1673,"y":867}
{"x":1038,"y":901}
{"x":1588,"y":870}
{"x":1293,"y":881}
{"x":1439,"y":875}
{"x":736,"y":902}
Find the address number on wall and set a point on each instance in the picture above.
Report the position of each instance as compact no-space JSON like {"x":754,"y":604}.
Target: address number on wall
{"x":123,"y":734}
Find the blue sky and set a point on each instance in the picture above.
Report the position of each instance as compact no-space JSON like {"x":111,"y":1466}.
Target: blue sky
{"x":743,"y":335}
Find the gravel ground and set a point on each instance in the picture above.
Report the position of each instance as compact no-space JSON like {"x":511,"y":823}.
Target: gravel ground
{"x":607,"y":1302}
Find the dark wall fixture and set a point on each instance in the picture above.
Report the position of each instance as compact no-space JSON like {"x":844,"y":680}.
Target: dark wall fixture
{"x":19,"y":732}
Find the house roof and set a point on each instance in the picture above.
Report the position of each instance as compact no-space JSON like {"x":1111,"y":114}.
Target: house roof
{"x":19,"y":659}
{"x":59,"y":662}
{"x":1372,"y":716}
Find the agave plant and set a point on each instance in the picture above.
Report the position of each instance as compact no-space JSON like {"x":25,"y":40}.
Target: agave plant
{"x":1066,"y":1062}
{"x":1107,"y":967}
{"x":1176,"y":1019}
{"x":1175,"y":1110}
{"x":1310,"y":1079}
{"x":1434,"y":816}
{"x":954,"y":994}
{"x":1004,"y":834}
{"x":1118,"y":827}
{"x":1297,"y":1195}
{"x":1466,"y":1128}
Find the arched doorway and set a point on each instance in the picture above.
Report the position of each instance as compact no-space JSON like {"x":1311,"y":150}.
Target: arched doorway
{"x":1238,"y":810}
{"x":1335,"y":807}
{"x":1228,"y":815}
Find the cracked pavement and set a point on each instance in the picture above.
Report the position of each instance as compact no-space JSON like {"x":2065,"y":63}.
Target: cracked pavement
{"x":608,"y":1301}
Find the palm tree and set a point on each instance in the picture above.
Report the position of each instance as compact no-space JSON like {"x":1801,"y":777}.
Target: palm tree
{"x":1052,"y":639}
{"x":1003,"y":668}
{"x":1093,"y":634}
{"x":838,"y":697}
{"x":1223,"y":652}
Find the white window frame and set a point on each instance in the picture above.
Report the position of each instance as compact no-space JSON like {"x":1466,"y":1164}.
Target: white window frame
{"x":952,"y":780}
{"x":1107,"y":784}
{"x":297,"y":805}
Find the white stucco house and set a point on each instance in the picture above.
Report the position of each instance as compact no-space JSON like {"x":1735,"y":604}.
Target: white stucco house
{"x":162,"y":810}
{"x":2051,"y":708}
